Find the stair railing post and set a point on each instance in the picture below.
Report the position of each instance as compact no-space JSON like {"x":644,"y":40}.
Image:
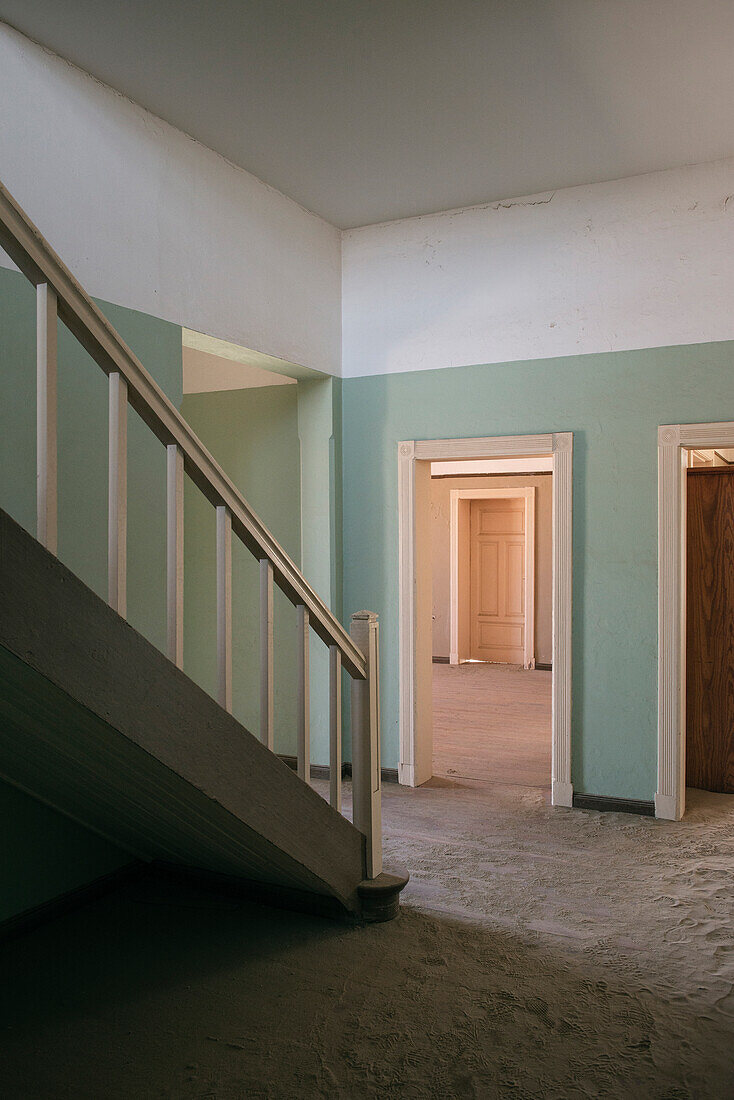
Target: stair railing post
{"x":366,"y":775}
{"x":46,"y":461}
{"x":303,"y":702}
{"x":174,"y":553}
{"x":266,"y":653}
{"x":117,"y":496}
{"x":224,"y":607}
{"x":335,"y":728}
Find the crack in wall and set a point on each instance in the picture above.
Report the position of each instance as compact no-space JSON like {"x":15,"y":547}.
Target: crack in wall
{"x":535,"y":202}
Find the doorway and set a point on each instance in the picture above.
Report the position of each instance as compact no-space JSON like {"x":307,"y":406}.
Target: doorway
{"x":492,"y":540}
{"x":491,"y":709}
{"x":500,"y":615}
{"x":709,"y":621}
{"x":682,"y":449}
{"x":415,"y":459}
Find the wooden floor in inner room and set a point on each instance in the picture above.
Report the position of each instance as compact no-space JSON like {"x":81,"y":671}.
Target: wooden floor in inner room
{"x":492,"y":723}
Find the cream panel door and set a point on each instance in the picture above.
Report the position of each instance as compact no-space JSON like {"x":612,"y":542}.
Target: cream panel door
{"x":497,"y":572}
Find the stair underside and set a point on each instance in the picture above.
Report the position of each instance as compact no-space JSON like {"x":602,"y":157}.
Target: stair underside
{"x":97,"y":723}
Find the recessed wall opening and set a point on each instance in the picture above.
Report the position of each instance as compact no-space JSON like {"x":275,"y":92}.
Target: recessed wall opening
{"x":709,"y":614}
{"x":696,"y":612}
{"x":268,"y":423}
{"x":485,"y":611}
{"x":491,"y":543}
{"x":211,"y":365}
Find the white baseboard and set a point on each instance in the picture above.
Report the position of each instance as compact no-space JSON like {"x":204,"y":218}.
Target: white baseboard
{"x":666,"y":808}
{"x":406,"y":775}
{"x":562,"y":794}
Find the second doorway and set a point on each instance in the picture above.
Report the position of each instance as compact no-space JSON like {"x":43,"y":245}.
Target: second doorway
{"x":492,"y":640}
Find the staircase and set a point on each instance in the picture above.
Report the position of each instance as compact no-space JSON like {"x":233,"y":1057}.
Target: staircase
{"x":100,"y":725}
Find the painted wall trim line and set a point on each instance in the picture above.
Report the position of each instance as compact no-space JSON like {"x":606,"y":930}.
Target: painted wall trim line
{"x":608,"y":804}
{"x":673,"y":441}
{"x":416,"y":735}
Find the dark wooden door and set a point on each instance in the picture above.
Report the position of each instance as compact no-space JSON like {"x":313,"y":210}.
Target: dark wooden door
{"x":710,"y":629}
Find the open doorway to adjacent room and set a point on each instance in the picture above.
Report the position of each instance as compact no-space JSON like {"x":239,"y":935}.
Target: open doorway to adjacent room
{"x":471,"y":712}
{"x":491,"y":547}
{"x":709,"y":615}
{"x":695,"y":614}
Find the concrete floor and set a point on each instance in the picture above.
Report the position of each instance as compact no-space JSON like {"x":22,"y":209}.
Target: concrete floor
{"x":539,"y":953}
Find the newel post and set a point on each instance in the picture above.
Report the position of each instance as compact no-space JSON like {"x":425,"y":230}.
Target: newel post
{"x":366,"y":776}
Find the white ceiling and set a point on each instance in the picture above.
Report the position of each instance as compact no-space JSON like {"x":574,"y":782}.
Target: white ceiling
{"x":368,"y":110}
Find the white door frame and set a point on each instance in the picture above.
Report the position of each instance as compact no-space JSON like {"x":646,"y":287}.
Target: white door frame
{"x":674,"y":440}
{"x":416,"y":732}
{"x":527,"y":493}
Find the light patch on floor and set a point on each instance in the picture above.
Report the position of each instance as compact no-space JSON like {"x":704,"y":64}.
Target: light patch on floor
{"x":492,"y":723}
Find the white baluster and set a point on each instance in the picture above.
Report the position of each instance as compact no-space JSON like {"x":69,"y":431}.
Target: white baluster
{"x":174,"y":553}
{"x":335,"y":727}
{"x":224,"y":607}
{"x":366,"y":777}
{"x":304,"y":697}
{"x":46,"y":414}
{"x":266,"y":652}
{"x":117,"y":496}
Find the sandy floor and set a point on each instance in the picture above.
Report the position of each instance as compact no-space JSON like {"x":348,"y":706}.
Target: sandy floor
{"x":539,"y":953}
{"x":493,"y":723}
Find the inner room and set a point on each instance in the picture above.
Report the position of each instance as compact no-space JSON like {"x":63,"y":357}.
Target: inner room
{"x":491,"y":542}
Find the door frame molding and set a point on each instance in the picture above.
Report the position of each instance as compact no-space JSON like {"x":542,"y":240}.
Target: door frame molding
{"x":674,"y":440}
{"x":416,"y":737}
{"x":527,"y":493}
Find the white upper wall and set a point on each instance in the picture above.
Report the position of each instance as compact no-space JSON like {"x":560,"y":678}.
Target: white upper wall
{"x":640,"y":262}
{"x":148,"y":218}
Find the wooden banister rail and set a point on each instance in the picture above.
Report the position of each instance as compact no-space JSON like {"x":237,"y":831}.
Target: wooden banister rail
{"x":60,"y":296}
{"x":39,"y":263}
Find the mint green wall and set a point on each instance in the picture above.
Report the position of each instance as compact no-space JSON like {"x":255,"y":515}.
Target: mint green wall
{"x":613,"y":404}
{"x":253,"y":434}
{"x":319,"y":429}
{"x":83,"y":435}
{"x":49,"y":854}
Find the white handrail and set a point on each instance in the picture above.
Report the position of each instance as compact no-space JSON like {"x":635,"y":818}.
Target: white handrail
{"x":39,"y":263}
{"x":60,"y":296}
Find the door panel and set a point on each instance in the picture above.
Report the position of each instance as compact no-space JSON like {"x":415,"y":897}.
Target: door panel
{"x":488,"y":593}
{"x":497,"y":568}
{"x":515,"y":588}
{"x":507,"y":522}
{"x":710,"y":629}
{"x":501,"y":634}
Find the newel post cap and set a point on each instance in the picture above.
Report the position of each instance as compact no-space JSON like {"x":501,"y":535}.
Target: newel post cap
{"x":370,"y":616}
